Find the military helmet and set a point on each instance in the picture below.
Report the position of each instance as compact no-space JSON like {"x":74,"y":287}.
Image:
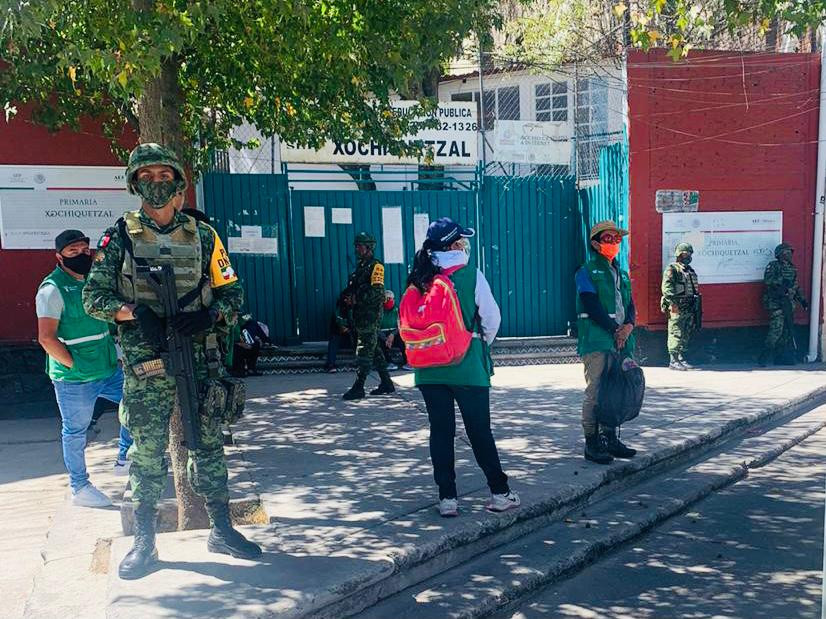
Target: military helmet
{"x":683,"y":248}
{"x":149,"y":154}
{"x":363,"y":238}
{"x":781,"y":248}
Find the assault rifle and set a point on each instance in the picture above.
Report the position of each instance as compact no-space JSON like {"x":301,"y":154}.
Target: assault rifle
{"x":178,"y":358}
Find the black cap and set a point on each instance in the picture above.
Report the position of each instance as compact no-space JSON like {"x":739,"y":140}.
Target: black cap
{"x":444,"y":232}
{"x":67,"y":237}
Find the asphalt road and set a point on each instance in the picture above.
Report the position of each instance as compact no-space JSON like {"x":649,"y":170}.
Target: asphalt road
{"x":752,"y":550}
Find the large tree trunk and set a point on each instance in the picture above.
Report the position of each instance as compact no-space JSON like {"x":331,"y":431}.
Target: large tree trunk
{"x":159,"y":120}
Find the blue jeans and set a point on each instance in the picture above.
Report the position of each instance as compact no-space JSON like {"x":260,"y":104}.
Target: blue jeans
{"x":76,"y":402}
{"x":124,"y":442}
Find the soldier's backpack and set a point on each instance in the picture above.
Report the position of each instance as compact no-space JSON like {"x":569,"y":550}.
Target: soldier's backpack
{"x":432,"y":326}
{"x":621,"y":391}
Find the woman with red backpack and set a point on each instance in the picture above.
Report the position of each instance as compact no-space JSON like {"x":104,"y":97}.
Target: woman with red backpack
{"x":448,"y":318}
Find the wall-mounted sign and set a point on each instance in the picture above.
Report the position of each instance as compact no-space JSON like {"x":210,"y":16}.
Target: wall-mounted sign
{"x":677,"y":201}
{"x":729,"y":247}
{"x":529,"y":141}
{"x":453,"y":142}
{"x":39,"y":202}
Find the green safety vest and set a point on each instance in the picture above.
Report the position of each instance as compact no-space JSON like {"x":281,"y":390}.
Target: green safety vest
{"x":476,"y":368}
{"x":88,"y":339}
{"x":592,"y":337}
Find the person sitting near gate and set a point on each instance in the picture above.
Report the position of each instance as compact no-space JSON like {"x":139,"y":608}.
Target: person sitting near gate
{"x":341,"y":328}
{"x":247,"y":348}
{"x":389,"y":333}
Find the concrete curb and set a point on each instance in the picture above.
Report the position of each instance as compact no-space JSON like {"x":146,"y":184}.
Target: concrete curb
{"x":504,"y":593}
{"x":599,"y":547}
{"x":414,"y":564}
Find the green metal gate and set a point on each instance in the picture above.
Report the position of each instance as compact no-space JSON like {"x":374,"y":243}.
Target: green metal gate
{"x":323,"y":263}
{"x":530,"y":235}
{"x":260,"y":203}
{"x":531,"y":241}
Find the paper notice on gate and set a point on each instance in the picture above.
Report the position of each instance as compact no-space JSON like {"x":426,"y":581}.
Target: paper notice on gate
{"x":314,"y":221}
{"x":391,"y":229}
{"x":342,"y":215}
{"x":421,"y":221}
{"x":239,"y":245}
{"x":251,"y":232}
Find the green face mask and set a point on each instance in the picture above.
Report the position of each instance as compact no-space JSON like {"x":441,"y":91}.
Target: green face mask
{"x":157,"y":194}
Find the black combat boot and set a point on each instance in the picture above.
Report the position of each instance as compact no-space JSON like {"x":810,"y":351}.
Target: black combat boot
{"x":686,"y":365}
{"x":613,"y":445}
{"x":224,"y":539}
{"x":595,"y":450}
{"x":143,"y":557}
{"x":356,"y":392}
{"x":675,"y":363}
{"x":386,"y":386}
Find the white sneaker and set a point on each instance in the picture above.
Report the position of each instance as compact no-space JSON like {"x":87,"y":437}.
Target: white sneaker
{"x":392,"y":367}
{"x":449,"y":508}
{"x":89,"y":496}
{"x":122,"y":467}
{"x":503,"y":502}
{"x":407,"y":367}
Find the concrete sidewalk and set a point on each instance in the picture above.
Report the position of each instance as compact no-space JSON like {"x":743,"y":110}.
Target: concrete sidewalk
{"x":349,"y":491}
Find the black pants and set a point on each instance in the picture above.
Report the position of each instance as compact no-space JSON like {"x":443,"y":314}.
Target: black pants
{"x":245,"y":359}
{"x":474,"y":404}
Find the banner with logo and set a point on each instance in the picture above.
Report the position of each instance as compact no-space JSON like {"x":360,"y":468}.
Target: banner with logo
{"x":39,"y":202}
{"x":729,"y":247}
{"x":530,"y":141}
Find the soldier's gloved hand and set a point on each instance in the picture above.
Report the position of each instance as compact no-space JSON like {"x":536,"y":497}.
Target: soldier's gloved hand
{"x":190,"y":323}
{"x":151,"y":324}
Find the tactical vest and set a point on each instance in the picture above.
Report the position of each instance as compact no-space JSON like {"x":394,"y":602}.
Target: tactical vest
{"x":686,"y":286}
{"x":592,"y":337}
{"x":87,"y":339}
{"x":180,"y":248}
{"x":686,"y":281}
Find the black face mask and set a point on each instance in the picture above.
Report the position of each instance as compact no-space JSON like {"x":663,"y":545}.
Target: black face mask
{"x":80,"y":264}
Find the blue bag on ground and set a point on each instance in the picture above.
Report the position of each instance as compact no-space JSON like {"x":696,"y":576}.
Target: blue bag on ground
{"x":621,"y":391}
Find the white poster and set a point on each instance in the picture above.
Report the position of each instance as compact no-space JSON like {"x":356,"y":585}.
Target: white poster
{"x":729,"y":247}
{"x":529,"y":141}
{"x":421,"y":221}
{"x":391,"y":230}
{"x":342,"y":215}
{"x":252,"y":245}
{"x":452,"y":142}
{"x":239,"y":245}
{"x":314,"y":221}
{"x":251,"y":232}
{"x":39,"y":202}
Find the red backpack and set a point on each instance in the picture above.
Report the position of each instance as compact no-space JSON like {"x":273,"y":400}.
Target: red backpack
{"x":432,"y":326}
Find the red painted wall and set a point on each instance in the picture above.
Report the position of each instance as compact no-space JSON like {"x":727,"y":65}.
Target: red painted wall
{"x":741,"y":129}
{"x":23,"y":143}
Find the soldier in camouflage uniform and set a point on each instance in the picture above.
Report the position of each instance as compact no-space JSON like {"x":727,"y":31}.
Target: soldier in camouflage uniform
{"x":366,"y":284}
{"x":210,"y":293}
{"x":782,"y":290}
{"x":681,"y":302}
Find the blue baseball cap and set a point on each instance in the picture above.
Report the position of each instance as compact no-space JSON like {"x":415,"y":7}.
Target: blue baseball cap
{"x":444,"y":232}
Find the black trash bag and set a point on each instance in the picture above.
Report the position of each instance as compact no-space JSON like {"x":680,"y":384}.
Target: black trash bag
{"x":621,"y":391}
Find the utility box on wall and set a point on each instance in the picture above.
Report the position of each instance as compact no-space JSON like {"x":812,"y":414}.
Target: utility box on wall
{"x":723,"y":150}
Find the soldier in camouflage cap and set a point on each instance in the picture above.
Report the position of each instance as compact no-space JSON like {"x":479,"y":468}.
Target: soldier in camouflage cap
{"x":366,"y":284}
{"x":782,"y":290}
{"x":210,"y":294}
{"x":681,"y":302}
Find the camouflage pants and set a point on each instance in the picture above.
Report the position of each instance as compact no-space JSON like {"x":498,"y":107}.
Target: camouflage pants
{"x":681,"y":328}
{"x":368,"y":352}
{"x":777,"y":329}
{"x":146,"y":408}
